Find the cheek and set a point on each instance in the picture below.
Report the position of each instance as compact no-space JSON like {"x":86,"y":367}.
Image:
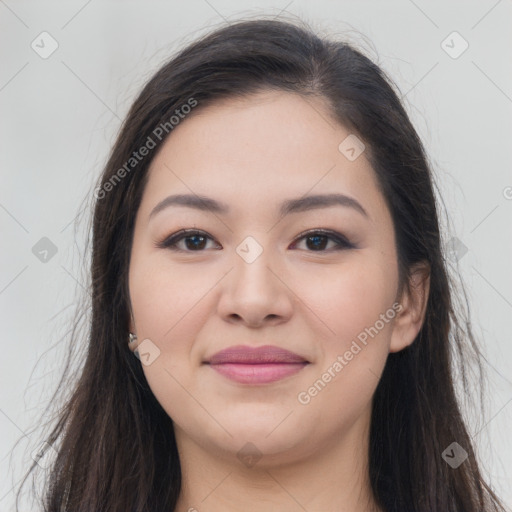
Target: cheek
{"x":167,"y":307}
{"x":162,"y":296}
{"x":170,"y":306}
{"x":358,"y":306}
{"x":351,"y":298}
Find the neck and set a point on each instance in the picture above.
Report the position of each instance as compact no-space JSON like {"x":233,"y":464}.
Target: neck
{"x":334,"y":477}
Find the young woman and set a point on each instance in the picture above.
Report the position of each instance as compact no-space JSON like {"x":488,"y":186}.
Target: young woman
{"x":273,"y":326}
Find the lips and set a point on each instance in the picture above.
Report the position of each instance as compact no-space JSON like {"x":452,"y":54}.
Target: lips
{"x":258,"y":355}
{"x":259,"y":365}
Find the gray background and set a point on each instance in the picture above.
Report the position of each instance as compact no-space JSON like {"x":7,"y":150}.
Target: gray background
{"x":60,"y":115}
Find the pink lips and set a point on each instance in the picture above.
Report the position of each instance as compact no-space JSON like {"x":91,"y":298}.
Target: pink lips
{"x":259,"y":365}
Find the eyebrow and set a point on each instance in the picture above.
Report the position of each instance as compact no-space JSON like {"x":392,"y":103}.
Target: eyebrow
{"x":300,"y":204}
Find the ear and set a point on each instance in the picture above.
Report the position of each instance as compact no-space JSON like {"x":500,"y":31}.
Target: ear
{"x":413,"y":300}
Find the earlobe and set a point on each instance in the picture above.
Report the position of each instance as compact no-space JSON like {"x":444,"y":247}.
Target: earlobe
{"x":414,"y":302}
{"x":132,"y":342}
{"x":132,"y":336}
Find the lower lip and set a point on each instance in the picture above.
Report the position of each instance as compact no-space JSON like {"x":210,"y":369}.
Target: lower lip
{"x":258,"y":373}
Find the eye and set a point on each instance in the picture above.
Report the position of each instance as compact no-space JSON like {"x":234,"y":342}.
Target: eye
{"x":197,"y":240}
{"x":318,"y":239}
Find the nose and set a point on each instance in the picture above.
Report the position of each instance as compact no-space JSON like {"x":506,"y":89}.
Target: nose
{"x":256,"y":293}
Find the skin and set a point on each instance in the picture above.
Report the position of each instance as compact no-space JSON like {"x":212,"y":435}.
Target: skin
{"x":252,"y":154}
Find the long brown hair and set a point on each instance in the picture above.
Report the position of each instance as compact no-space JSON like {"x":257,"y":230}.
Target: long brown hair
{"x":115,"y":444}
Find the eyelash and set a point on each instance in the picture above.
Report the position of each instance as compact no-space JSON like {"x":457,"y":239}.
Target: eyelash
{"x":172,"y":241}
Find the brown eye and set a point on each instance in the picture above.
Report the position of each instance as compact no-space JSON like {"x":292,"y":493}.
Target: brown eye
{"x":195,"y":241}
{"x":317,"y":241}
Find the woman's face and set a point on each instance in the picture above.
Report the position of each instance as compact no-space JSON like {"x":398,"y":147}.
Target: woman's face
{"x":260,"y":275}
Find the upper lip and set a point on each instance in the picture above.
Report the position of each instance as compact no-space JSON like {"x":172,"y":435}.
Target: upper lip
{"x":243,"y":354}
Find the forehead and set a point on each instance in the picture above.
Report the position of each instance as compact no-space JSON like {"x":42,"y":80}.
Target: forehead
{"x":255,"y":149}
